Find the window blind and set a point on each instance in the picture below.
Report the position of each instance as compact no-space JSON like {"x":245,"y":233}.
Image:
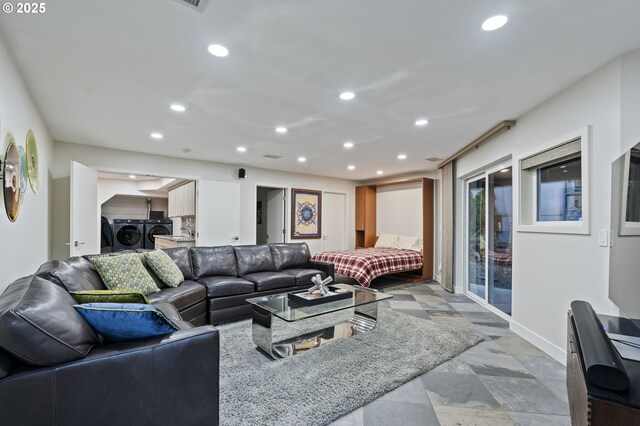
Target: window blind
{"x":446,"y":249}
{"x":562,"y":152}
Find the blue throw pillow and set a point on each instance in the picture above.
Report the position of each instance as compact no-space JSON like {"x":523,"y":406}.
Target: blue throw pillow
{"x":119,"y":322}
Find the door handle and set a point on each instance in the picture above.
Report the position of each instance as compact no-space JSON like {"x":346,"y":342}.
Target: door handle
{"x":236,"y":238}
{"x":75,"y":244}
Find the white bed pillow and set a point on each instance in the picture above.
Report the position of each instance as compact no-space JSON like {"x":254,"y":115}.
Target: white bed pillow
{"x":387,"y":241}
{"x":409,"y":243}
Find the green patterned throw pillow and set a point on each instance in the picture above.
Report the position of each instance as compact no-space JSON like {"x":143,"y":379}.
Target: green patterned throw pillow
{"x":164,"y":267}
{"x":109,"y":296}
{"x":124,"y":272}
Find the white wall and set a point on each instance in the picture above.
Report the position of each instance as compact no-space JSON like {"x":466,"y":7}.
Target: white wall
{"x":106,"y":159}
{"x":551,"y":270}
{"x":128,"y":207}
{"x":399,"y":210}
{"x":25,"y":243}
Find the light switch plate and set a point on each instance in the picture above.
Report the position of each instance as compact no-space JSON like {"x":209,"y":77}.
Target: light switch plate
{"x":603,"y":238}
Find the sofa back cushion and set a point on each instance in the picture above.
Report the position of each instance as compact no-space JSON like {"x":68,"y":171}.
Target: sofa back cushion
{"x":290,"y":255}
{"x":180,"y":256}
{"x":252,"y":259}
{"x":213,"y":261}
{"x":85,"y":267}
{"x":39,"y":325}
{"x":68,"y":277}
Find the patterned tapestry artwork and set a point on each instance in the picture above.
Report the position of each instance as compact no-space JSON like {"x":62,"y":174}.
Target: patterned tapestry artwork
{"x":306,"y":208}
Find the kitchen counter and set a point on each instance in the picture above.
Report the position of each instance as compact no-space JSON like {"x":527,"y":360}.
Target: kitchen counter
{"x":173,"y":241}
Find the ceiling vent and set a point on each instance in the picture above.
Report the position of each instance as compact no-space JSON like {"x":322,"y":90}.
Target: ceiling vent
{"x":273,"y":156}
{"x":198,"y":5}
{"x":433,"y":159}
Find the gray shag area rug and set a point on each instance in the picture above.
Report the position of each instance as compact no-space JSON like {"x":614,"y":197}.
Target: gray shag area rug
{"x":326,"y":383}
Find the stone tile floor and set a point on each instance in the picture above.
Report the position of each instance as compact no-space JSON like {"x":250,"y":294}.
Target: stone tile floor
{"x":503,"y":380}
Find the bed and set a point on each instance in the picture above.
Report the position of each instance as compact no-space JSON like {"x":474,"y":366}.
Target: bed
{"x":364,"y":265}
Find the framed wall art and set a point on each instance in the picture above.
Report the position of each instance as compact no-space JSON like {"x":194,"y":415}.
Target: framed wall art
{"x":11,"y":179}
{"x":306,"y":214}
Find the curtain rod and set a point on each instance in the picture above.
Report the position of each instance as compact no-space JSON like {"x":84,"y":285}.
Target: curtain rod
{"x":503,"y":126}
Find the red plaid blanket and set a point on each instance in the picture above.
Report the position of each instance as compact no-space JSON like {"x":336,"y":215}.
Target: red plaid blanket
{"x":364,"y":265}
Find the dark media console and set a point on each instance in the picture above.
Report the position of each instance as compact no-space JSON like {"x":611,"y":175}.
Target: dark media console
{"x":589,"y":403}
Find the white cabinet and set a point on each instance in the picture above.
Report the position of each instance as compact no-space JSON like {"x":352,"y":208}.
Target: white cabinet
{"x":182,"y":200}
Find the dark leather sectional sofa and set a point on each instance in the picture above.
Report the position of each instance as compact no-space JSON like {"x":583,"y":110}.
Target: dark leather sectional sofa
{"x":53,"y":369}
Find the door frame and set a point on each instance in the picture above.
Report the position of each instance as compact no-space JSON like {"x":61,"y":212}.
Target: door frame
{"x":465,"y":253}
{"x":287,"y":206}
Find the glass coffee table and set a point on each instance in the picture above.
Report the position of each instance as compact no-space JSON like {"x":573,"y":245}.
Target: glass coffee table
{"x":283,"y":328}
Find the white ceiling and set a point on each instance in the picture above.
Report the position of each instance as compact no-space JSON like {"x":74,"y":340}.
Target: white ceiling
{"x":104,"y":73}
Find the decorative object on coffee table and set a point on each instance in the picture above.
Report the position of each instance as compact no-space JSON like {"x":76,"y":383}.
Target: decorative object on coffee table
{"x":320,"y":286}
{"x":306,"y":208}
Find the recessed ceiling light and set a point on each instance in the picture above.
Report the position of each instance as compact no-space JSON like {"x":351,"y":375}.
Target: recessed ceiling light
{"x":494,"y":23}
{"x":421,"y":122}
{"x":302,"y":159}
{"x":565,"y":171}
{"x":402,"y":156}
{"x":348,"y":145}
{"x":218,"y":50}
{"x":178,"y":108}
{"x":281,"y":129}
{"x":562,"y":167}
{"x":379,"y":172}
{"x":241,"y":149}
{"x":132,"y":176}
{"x":347,"y":96}
{"x":351,"y":167}
{"x":504,"y":170}
{"x":156,"y":135}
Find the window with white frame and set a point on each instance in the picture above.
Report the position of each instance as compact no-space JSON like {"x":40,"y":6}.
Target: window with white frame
{"x":554,"y":186}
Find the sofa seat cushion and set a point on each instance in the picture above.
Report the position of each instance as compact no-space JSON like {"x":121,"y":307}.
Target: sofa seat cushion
{"x":226,"y":286}
{"x":186,"y":294}
{"x":252,"y":259}
{"x":290,"y":255}
{"x":213,"y":261}
{"x":270,"y":280}
{"x":38,"y":324}
{"x":303,"y":276}
{"x":121,"y":322}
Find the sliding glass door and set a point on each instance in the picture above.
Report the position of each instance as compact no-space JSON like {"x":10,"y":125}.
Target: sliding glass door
{"x":489,"y":237}
{"x":476,"y":235}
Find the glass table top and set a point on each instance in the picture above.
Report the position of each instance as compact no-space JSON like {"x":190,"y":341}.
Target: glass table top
{"x":278,"y":304}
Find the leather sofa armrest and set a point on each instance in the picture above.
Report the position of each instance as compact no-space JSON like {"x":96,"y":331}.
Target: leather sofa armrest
{"x":173,"y":379}
{"x":168,"y":310}
{"x":325,"y":267}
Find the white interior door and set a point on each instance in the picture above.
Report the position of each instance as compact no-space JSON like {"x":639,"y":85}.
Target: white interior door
{"x":84,"y":212}
{"x":334,"y":229}
{"x":275,"y":216}
{"x":217,"y":213}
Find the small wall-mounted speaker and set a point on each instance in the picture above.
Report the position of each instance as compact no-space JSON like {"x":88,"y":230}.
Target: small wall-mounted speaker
{"x":242,"y":173}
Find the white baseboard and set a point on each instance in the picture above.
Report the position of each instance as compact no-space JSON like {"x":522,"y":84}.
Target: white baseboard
{"x":543,"y":344}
